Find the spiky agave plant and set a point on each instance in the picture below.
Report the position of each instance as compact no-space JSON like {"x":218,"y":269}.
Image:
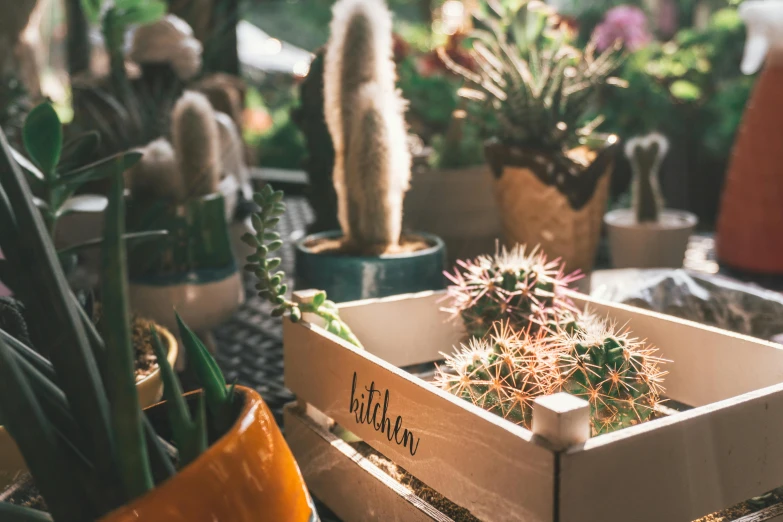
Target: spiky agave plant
{"x":502,"y":373}
{"x":533,"y":88}
{"x":270,"y":284}
{"x":619,"y":375}
{"x":520,"y":287}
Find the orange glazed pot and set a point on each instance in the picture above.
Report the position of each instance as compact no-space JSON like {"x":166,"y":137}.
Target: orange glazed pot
{"x":249,"y":475}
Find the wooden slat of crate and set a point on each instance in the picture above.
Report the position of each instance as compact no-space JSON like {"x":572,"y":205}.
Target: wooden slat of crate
{"x":352,"y":486}
{"x":708,"y":364}
{"x":478,"y":460}
{"x":404,"y":330}
{"x":678,"y":468}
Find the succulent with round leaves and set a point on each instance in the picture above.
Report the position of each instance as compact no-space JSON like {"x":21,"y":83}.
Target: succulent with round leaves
{"x":503,"y":372}
{"x":521,"y":287}
{"x":270,"y":284}
{"x":619,"y":375}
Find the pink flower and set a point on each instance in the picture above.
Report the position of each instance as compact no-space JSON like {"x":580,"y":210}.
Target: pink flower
{"x":625,"y":23}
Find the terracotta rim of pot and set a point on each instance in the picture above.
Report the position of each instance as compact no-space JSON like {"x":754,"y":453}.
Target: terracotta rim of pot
{"x":436,"y":243}
{"x":685,"y":220}
{"x":253,"y":444}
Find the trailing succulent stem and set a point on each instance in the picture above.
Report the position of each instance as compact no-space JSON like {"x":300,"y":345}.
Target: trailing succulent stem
{"x":364,"y":114}
{"x":646,"y":155}
{"x":520,"y":287}
{"x":270,"y":284}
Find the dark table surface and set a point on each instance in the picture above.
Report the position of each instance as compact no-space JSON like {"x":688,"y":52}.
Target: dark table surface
{"x":250,"y":345}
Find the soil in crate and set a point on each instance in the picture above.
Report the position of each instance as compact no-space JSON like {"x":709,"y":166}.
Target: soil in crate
{"x":419,"y":488}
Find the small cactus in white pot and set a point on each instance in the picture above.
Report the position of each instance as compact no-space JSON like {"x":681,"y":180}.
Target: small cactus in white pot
{"x":648,"y":235}
{"x":370,"y":256}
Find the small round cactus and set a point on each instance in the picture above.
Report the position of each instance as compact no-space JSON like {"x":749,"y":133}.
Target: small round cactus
{"x":503,"y":372}
{"x":617,"y":374}
{"x":587,"y":357}
{"x":521,"y":287}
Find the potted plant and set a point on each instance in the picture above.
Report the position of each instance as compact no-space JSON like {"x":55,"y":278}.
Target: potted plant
{"x":92,"y":452}
{"x":370,"y":256}
{"x":174,"y":187}
{"x":648,"y":236}
{"x":551,"y":168}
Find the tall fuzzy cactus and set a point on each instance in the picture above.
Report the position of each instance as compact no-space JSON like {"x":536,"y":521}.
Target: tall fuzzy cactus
{"x":364,"y":114}
{"x":156,"y":175}
{"x":646,"y":155}
{"x":196,"y":140}
{"x":521,"y":287}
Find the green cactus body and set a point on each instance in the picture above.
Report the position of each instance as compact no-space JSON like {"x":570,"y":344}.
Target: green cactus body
{"x":522,"y":288}
{"x":619,"y":376}
{"x":646,"y":155}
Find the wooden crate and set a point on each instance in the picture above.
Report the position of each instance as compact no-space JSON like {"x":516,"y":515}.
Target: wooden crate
{"x":728,"y":448}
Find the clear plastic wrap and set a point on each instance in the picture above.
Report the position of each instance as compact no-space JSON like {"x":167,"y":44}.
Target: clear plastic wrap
{"x":708,"y":299}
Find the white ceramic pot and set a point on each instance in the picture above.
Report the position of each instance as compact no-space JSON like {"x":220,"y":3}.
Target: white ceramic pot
{"x":660,"y":244}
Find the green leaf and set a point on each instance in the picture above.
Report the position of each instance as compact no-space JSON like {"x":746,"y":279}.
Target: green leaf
{"x":113,"y":165}
{"x":160,"y":459}
{"x":685,"y":90}
{"x":35,"y":175}
{"x":132,"y":239}
{"x":86,"y":203}
{"x":79,"y":149}
{"x":37,"y":441}
{"x":13,"y":513}
{"x":143,"y":13}
{"x":92,"y":10}
{"x":44,"y":288}
{"x":209,"y":377}
{"x":183,"y":428}
{"x":132,"y":459}
{"x":43,"y":138}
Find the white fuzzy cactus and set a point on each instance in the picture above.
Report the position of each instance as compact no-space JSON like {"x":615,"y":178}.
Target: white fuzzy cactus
{"x":365,"y":116}
{"x":196,"y":139}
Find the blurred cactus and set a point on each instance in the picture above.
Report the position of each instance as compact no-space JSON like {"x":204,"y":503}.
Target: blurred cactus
{"x":156,"y":176}
{"x":319,"y":164}
{"x":196,"y":140}
{"x":364,"y":114}
{"x":521,"y":287}
{"x":617,"y":374}
{"x":646,"y":155}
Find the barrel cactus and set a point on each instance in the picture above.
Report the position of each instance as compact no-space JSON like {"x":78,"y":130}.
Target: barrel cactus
{"x":522,"y":287}
{"x":619,"y":376}
{"x":587,"y":357}
{"x":503,"y":372}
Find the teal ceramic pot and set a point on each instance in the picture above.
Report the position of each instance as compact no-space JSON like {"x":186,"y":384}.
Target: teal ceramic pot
{"x":350,"y":278}
{"x":192,"y":269}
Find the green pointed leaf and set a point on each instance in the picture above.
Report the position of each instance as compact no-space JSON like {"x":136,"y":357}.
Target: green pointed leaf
{"x":85,"y":203}
{"x":79,"y":149}
{"x":35,"y":175}
{"x":132,"y":239}
{"x":13,"y":513}
{"x":131,"y":458}
{"x":113,"y":165}
{"x":43,"y":138}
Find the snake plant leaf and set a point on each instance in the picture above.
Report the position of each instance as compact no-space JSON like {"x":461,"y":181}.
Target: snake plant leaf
{"x":131,"y":239}
{"x":34,"y":176}
{"x":160,"y":459}
{"x":40,"y":363}
{"x":209,"y":376}
{"x":131,"y":454}
{"x":13,"y":513}
{"x":44,"y":287}
{"x":183,"y":428}
{"x":37,"y":441}
{"x":86,"y":203}
{"x":43,"y":138}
